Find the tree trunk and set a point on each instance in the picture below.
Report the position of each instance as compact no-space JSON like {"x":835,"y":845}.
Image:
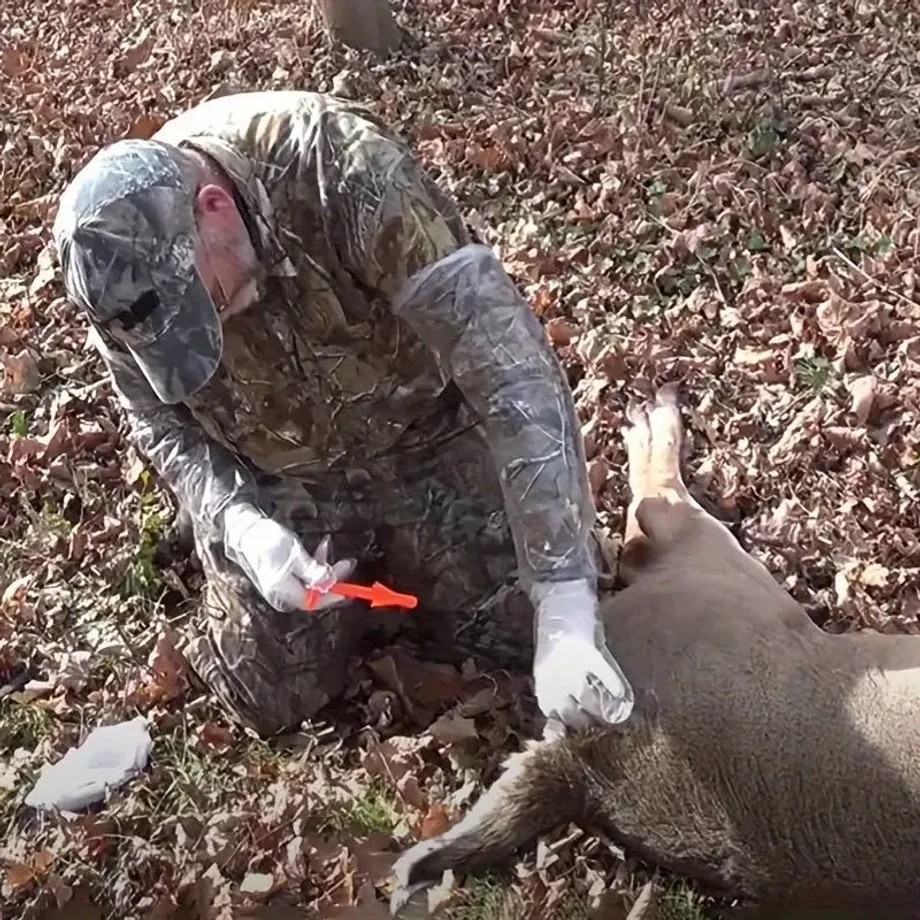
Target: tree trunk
{"x":366,"y":25}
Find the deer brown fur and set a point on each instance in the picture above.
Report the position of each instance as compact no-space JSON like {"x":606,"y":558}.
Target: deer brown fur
{"x":764,"y":757}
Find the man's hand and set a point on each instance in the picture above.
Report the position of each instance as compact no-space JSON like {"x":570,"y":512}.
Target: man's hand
{"x":577,"y":681}
{"x":276,"y":562}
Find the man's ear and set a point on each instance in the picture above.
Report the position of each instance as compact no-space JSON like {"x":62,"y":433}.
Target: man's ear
{"x":212,"y":200}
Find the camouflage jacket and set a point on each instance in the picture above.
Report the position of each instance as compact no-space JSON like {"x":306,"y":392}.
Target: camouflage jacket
{"x":376,"y":312}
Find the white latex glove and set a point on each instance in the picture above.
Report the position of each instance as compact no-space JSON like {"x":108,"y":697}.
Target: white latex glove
{"x":577,"y":681}
{"x":276,"y":562}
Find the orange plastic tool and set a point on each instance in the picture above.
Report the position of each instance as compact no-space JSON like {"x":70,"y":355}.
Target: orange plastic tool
{"x":379,"y":595}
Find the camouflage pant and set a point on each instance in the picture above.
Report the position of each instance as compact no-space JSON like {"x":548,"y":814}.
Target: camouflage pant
{"x":441,"y":534}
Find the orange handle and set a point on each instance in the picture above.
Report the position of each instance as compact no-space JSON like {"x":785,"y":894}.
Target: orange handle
{"x":378,"y":594}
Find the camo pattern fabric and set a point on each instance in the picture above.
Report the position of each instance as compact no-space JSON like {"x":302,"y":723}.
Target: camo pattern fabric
{"x":384,"y":339}
{"x":441,"y":538}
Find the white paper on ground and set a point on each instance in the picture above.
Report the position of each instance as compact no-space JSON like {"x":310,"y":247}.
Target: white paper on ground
{"x":107,"y":759}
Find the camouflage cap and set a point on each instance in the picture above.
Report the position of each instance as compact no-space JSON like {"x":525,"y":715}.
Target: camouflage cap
{"x":126,"y":234}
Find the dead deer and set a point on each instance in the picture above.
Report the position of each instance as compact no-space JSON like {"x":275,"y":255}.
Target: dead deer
{"x":764,"y":757}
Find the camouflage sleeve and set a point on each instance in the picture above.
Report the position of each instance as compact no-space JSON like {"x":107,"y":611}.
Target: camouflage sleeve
{"x":205,"y":477}
{"x":408,"y":242}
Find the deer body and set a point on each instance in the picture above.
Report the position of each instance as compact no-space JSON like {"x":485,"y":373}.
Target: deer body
{"x":764,"y":757}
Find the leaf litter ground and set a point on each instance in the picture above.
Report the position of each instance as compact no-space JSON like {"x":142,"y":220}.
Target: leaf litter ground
{"x":718,"y":193}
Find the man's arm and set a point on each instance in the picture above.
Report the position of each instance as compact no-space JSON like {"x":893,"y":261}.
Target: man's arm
{"x":406,"y":241}
{"x":220,"y":494}
{"x":459,"y":300}
{"x":205,"y":477}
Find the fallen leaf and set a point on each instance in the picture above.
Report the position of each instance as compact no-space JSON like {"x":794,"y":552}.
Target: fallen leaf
{"x":221,"y":61}
{"x":62,"y":892}
{"x":682,"y":116}
{"x":436,"y":821}
{"x":374,"y":856}
{"x":746,"y":357}
{"x":214,"y":736}
{"x":560,"y":331}
{"x":453,"y":728}
{"x":542,"y":301}
{"x":392,"y":758}
{"x":425,"y":683}
{"x":20,"y":373}
{"x":137,"y":54}
{"x":79,"y":906}
{"x":168,"y":673}
{"x":144,"y":127}
{"x":13,"y":61}
{"x":874,"y":575}
{"x":19,"y":875}
{"x":258,"y":885}
{"x":812,"y":290}
{"x":862,"y":392}
{"x":366,"y":906}
{"x":646,"y":905}
{"x":598,"y":471}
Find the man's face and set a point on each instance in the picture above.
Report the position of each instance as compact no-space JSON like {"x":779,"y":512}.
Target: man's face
{"x":225,"y":257}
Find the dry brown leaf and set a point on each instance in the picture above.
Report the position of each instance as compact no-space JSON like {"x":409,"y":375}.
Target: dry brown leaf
{"x":598,"y":471}
{"x":453,"y":728}
{"x":392,"y":758}
{"x":682,"y":116}
{"x":13,"y":61}
{"x":168,"y":665}
{"x":366,"y":906}
{"x":62,"y":892}
{"x":168,"y":673}
{"x":136,"y":55}
{"x":425,"y":683}
{"x":214,"y":736}
{"x":19,"y":875}
{"x":560,"y":331}
{"x":436,"y":821}
{"x":490,"y":159}
{"x":78,"y":907}
{"x":410,"y":793}
{"x":20,"y":373}
{"x":811,"y":291}
{"x":144,"y":127}
{"x":862,"y":392}
{"x":374,"y":856}
{"x":542,"y":301}
{"x":212,"y":895}
{"x":747,"y":357}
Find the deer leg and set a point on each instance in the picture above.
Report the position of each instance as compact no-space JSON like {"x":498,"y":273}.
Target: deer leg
{"x":653,"y":444}
{"x":538,"y":790}
{"x":664,"y":479}
{"x":638,"y":440}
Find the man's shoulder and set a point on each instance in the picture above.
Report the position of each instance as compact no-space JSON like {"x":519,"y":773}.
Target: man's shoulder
{"x":266,"y":116}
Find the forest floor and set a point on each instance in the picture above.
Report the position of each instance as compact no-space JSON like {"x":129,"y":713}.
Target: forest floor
{"x":725,"y":193}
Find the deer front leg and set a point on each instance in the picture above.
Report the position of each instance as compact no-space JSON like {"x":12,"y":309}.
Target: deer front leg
{"x":539,"y":789}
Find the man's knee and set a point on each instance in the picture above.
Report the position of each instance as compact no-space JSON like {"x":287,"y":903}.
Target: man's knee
{"x":269,"y":669}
